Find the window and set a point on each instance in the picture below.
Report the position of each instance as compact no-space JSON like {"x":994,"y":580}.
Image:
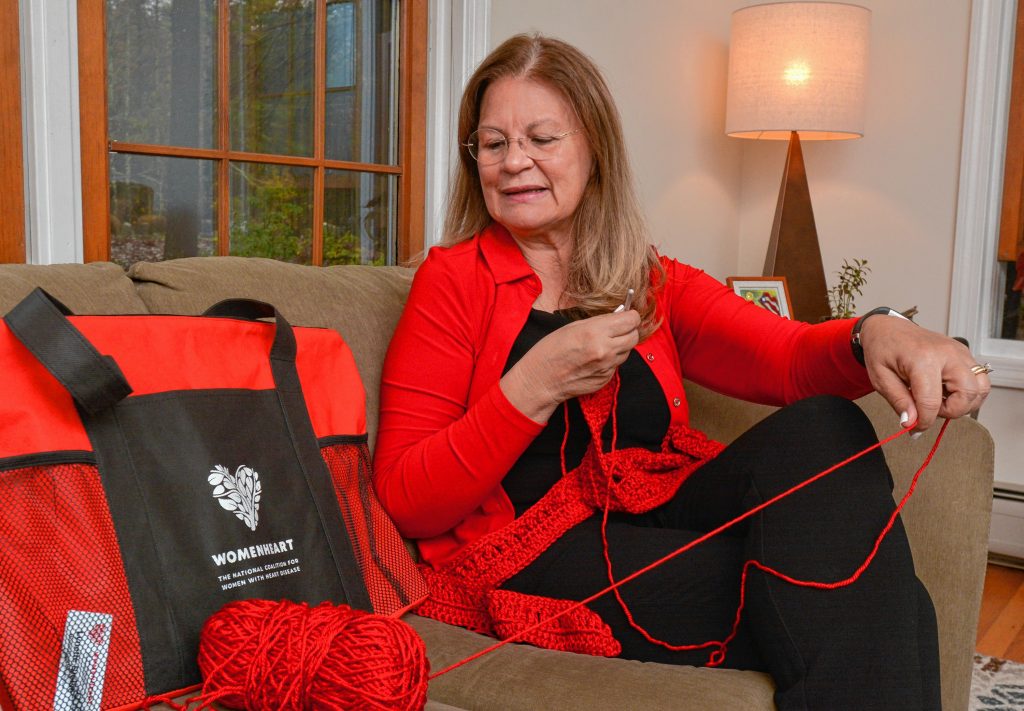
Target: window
{"x":979,"y":303}
{"x":291,"y":129}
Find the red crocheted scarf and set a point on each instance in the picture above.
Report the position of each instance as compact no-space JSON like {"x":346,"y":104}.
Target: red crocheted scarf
{"x":465,"y":591}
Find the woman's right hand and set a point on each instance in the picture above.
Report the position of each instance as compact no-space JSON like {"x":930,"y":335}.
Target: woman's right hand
{"x":577,"y":359}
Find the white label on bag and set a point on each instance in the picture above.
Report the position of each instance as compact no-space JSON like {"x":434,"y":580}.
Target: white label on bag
{"x":83,"y":661}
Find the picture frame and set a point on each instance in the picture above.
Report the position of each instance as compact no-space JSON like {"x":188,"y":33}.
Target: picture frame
{"x":769,"y":292}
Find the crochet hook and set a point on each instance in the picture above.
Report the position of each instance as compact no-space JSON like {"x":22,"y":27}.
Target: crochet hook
{"x":626,"y":304}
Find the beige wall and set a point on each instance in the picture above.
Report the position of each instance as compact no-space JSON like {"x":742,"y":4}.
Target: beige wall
{"x":889,"y":198}
{"x":666,"y":65}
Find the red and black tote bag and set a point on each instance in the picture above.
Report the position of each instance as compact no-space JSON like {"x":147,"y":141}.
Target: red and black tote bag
{"x":154,"y":468}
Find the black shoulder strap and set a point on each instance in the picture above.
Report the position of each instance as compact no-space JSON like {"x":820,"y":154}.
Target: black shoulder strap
{"x":93,"y":379}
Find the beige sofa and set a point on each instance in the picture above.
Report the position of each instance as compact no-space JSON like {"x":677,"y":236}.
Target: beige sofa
{"x":947,"y":519}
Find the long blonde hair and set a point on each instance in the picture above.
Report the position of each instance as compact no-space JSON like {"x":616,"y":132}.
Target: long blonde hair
{"x":611,"y":251}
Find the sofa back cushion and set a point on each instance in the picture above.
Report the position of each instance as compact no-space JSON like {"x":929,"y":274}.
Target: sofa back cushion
{"x":96,"y":288}
{"x":362,"y":303}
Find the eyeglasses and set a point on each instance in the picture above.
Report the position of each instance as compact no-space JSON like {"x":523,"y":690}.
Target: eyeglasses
{"x":488,"y":146}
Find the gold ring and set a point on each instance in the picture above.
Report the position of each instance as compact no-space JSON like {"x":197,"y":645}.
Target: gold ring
{"x":981,"y":368}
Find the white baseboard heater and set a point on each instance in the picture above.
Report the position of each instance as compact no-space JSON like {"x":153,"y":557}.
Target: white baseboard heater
{"x":1006,"y":537}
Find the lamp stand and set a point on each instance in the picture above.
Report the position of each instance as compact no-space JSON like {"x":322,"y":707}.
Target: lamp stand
{"x":793,"y":250}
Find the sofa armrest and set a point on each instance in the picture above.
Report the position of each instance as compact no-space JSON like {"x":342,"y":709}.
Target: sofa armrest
{"x":947,"y":519}
{"x":947,"y":522}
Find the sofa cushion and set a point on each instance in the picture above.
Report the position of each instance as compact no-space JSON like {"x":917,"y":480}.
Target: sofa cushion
{"x":363,"y":303}
{"x":522,"y":678}
{"x":96,"y":288}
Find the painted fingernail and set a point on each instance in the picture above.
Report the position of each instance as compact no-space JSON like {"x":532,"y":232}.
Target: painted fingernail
{"x":916,"y":435}
{"x":904,"y":417}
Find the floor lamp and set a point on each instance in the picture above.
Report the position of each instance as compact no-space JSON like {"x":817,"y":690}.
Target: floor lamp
{"x":797,"y":71}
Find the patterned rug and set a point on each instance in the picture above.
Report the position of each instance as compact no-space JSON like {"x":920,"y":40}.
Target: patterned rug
{"x":997,"y":685}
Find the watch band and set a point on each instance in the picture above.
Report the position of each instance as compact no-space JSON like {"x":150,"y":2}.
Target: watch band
{"x":855,"y":344}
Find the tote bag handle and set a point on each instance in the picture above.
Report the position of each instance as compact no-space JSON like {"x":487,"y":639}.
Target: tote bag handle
{"x":94,"y":380}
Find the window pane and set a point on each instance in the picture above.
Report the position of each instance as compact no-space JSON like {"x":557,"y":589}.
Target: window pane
{"x":1011,"y":321}
{"x":161,"y":71}
{"x":362,"y":81}
{"x":161,"y":208}
{"x":359,"y":218}
{"x":271,"y":212}
{"x":272,"y":76}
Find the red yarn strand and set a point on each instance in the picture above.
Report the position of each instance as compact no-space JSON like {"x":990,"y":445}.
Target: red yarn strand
{"x":718,"y":656}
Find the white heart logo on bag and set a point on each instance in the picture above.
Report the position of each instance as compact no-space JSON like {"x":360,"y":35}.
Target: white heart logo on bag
{"x":239,"y":494}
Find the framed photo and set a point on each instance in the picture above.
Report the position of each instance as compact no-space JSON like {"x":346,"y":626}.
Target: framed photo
{"x":769,"y":293}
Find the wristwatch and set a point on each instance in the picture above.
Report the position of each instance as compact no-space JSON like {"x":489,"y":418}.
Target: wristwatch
{"x":855,"y":344}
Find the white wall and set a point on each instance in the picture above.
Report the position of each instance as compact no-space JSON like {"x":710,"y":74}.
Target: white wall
{"x":665,"y":63}
{"x":889,"y":198}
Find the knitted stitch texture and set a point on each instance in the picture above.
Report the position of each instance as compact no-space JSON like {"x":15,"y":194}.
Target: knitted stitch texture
{"x":464,"y":592}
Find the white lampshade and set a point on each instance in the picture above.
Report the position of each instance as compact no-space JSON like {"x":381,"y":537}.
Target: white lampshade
{"x":798,"y":66}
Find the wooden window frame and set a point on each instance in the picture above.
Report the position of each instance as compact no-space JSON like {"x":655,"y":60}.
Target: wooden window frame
{"x":410,"y":170}
{"x":1011,"y":223}
{"x":12,"y":177}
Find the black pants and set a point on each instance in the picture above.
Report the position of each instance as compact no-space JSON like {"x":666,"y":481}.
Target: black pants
{"x":872,"y":645}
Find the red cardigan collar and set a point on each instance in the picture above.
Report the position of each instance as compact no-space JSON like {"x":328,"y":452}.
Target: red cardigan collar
{"x":502,"y":254}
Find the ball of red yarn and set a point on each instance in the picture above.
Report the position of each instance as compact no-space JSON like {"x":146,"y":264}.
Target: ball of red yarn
{"x":261,"y":654}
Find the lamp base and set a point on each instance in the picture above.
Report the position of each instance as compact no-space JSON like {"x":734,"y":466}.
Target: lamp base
{"x":793,"y":250}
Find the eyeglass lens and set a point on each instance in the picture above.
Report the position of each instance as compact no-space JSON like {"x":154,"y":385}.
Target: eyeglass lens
{"x":488,"y":146}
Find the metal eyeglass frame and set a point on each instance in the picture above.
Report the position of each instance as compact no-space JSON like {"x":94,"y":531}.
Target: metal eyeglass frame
{"x":558,"y":137}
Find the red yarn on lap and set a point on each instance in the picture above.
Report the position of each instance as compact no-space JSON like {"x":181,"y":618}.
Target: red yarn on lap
{"x":465,"y":591}
{"x":260,"y":654}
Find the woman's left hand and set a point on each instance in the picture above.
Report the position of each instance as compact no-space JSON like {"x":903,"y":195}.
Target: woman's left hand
{"x":921,"y":373}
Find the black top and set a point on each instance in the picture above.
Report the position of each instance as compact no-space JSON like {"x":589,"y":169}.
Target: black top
{"x":642,"y":419}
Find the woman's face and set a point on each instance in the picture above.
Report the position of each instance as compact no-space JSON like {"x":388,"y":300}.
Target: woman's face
{"x":533,"y":199}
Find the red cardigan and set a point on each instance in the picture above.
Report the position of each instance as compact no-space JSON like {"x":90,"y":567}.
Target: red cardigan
{"x":448,"y":435}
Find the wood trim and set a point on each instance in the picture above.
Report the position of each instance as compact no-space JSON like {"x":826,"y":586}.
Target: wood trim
{"x":1011,"y":225}
{"x":92,"y":92}
{"x":12,"y":176}
{"x":223,"y":128}
{"x":413,"y":131}
{"x":319,"y":130}
{"x":154,"y":149}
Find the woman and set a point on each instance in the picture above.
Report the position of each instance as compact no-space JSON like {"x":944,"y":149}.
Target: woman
{"x":518,"y":402}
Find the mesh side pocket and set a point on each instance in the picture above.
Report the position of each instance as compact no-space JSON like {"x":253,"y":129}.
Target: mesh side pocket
{"x":68,"y":637}
{"x":390,"y":574}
